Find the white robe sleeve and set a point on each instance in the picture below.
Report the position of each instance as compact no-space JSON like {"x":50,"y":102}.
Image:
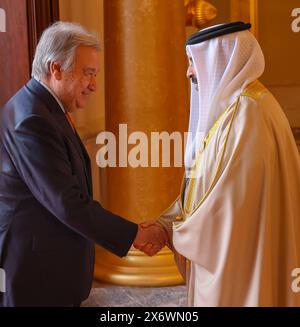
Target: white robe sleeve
{"x":167,"y":219}
{"x":169,"y":216}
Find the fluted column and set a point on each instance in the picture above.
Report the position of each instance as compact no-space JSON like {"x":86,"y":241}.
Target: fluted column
{"x":145,"y":88}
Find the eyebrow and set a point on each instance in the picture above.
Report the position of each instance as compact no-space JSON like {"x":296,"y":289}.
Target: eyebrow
{"x":91,"y":70}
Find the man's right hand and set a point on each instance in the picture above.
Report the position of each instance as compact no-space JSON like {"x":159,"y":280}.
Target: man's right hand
{"x":151,"y":237}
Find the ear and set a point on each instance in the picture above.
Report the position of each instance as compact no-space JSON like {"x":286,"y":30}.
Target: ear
{"x":55,"y":70}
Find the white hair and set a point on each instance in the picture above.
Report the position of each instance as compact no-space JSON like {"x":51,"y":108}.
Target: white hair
{"x":58,"y":43}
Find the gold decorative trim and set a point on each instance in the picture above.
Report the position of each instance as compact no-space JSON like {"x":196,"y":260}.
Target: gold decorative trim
{"x":199,"y":12}
{"x":218,"y":171}
{"x":191,"y":189}
{"x":254,"y":90}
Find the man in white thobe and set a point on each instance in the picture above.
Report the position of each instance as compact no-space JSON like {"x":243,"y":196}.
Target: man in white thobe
{"x":235,"y":227}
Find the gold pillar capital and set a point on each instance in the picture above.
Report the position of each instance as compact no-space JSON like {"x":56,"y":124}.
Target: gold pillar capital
{"x":199,"y":12}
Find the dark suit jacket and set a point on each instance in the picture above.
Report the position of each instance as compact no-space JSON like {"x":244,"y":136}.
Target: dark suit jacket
{"x":49,"y":221}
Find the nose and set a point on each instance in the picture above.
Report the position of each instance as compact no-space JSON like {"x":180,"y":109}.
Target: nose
{"x":93,"y":84}
{"x":190,"y":72}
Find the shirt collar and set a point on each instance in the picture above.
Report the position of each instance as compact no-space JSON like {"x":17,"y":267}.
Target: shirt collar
{"x":53,"y":94}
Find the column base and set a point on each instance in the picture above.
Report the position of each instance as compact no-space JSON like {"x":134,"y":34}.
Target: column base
{"x":137,"y":269}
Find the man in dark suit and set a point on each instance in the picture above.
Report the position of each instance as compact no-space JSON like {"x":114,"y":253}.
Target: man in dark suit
{"x":49,"y":221}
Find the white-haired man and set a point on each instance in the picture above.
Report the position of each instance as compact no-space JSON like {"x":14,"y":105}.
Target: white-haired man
{"x":49,"y":221}
{"x":235,"y":227}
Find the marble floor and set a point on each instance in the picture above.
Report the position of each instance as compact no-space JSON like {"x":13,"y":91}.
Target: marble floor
{"x":104,"y":295}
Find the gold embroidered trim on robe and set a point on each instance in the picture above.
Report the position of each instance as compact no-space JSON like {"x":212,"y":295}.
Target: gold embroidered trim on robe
{"x":254,"y":90}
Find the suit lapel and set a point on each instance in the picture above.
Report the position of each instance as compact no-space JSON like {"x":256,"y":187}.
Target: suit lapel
{"x":87,"y":163}
{"x":64,"y":125}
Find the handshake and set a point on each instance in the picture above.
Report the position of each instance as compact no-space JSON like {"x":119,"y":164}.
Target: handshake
{"x":151,"y":237}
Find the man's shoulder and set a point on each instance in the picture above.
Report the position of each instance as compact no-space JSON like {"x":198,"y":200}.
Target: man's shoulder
{"x":255,"y":90}
{"x":23,"y":104}
{"x":257,"y":101}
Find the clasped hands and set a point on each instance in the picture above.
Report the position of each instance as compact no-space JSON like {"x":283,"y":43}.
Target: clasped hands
{"x":151,"y":237}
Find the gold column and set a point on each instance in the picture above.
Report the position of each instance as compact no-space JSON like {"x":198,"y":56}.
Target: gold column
{"x":145,"y":88}
{"x":247,"y":11}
